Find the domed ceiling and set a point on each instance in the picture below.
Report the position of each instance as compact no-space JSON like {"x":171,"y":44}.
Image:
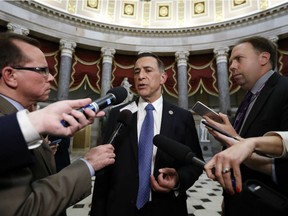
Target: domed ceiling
{"x":160,"y":14}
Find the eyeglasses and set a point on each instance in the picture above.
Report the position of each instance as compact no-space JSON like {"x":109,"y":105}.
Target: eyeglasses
{"x":41,"y":70}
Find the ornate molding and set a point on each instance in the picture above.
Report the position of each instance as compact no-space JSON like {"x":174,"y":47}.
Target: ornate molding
{"x":97,"y":26}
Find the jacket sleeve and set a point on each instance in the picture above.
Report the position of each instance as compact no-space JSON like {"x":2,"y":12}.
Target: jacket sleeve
{"x":14,"y":151}
{"x":51,"y":195}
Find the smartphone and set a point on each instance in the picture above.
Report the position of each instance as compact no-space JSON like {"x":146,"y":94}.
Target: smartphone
{"x":218,"y":130}
{"x":55,"y":142}
{"x":203,"y":110}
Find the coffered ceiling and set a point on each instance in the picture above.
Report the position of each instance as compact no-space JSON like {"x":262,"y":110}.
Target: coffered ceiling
{"x":159,"y":14}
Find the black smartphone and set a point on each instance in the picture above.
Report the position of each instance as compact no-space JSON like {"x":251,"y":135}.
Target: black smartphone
{"x":203,"y":110}
{"x":218,"y":130}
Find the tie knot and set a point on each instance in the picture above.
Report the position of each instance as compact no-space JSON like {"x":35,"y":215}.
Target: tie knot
{"x":248,"y":96}
{"x":149,"y":107}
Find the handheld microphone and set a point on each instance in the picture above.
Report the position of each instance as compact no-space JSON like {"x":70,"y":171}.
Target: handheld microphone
{"x":124,"y":118}
{"x":177,"y":150}
{"x":114,"y":96}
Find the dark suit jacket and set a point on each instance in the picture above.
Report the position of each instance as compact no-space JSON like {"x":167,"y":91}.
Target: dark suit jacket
{"x":45,"y":165}
{"x":29,"y":190}
{"x":269,"y":113}
{"x":14,"y":152}
{"x":115,"y":190}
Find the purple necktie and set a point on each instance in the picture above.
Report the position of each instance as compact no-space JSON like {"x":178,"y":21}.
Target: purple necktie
{"x":145,"y":149}
{"x":242,"y":111}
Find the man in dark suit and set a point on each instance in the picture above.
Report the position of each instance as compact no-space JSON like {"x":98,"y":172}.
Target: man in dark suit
{"x":36,"y":189}
{"x":252,"y":64}
{"x":116,"y":189}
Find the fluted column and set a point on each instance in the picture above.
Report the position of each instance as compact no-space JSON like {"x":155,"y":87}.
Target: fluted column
{"x":67,"y":50}
{"x":221,"y":54}
{"x":275,"y":39}
{"x":182,"y":58}
{"x":16,"y":28}
{"x":108,"y":55}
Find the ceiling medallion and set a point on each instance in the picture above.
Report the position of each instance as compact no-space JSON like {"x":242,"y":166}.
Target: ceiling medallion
{"x":128,"y":9}
{"x":92,"y":4}
{"x":164,"y":11}
{"x":199,"y":8}
{"x":239,"y":2}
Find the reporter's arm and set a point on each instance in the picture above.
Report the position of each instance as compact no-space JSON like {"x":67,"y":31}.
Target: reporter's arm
{"x":280,"y":143}
{"x":14,"y":152}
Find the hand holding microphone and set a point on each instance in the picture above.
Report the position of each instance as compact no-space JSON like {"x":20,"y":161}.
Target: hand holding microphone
{"x":113,"y":97}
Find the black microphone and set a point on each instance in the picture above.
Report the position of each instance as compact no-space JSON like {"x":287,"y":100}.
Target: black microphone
{"x":177,"y":150}
{"x":182,"y":153}
{"x":124,"y":118}
{"x":113,"y":97}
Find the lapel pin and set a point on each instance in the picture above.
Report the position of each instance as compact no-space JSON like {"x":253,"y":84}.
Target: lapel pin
{"x":170,"y":112}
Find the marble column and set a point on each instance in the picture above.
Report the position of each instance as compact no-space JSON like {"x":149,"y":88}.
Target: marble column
{"x":275,"y":39}
{"x":16,"y":28}
{"x":107,"y":61}
{"x":108,"y":55}
{"x":221,"y":54}
{"x":67,"y":49}
{"x":182,"y":58}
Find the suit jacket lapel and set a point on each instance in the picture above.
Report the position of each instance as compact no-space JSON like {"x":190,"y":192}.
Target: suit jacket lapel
{"x":260,"y":102}
{"x":133,"y":137}
{"x":167,"y":118}
{"x":6,"y":107}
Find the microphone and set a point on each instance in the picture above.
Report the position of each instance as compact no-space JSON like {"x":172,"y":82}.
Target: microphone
{"x":114,"y":96}
{"x":124,"y":118}
{"x":177,"y":150}
{"x":182,"y":153}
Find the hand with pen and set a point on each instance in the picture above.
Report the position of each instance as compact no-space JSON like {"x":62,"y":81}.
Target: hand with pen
{"x":224,"y":167}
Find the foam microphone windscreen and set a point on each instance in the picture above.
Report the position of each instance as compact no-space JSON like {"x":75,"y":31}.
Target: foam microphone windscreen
{"x":125,"y":117}
{"x":120,"y":94}
{"x":173,"y":148}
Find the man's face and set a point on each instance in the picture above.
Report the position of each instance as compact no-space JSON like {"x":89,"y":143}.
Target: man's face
{"x":245,"y":65}
{"x":148,"y":78}
{"x":32,"y":86}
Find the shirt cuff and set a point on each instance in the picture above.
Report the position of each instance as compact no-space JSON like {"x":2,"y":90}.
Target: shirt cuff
{"x":91,"y":169}
{"x":284,"y":136}
{"x":30,"y":134}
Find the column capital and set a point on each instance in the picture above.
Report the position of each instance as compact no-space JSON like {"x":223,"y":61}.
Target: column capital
{"x":221,"y":54}
{"x":107,"y":54}
{"x":16,"y":28}
{"x":67,"y":47}
{"x":182,"y":57}
{"x":274,"y":39}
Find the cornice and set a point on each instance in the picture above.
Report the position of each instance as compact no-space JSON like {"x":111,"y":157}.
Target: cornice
{"x":132,"y":31}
